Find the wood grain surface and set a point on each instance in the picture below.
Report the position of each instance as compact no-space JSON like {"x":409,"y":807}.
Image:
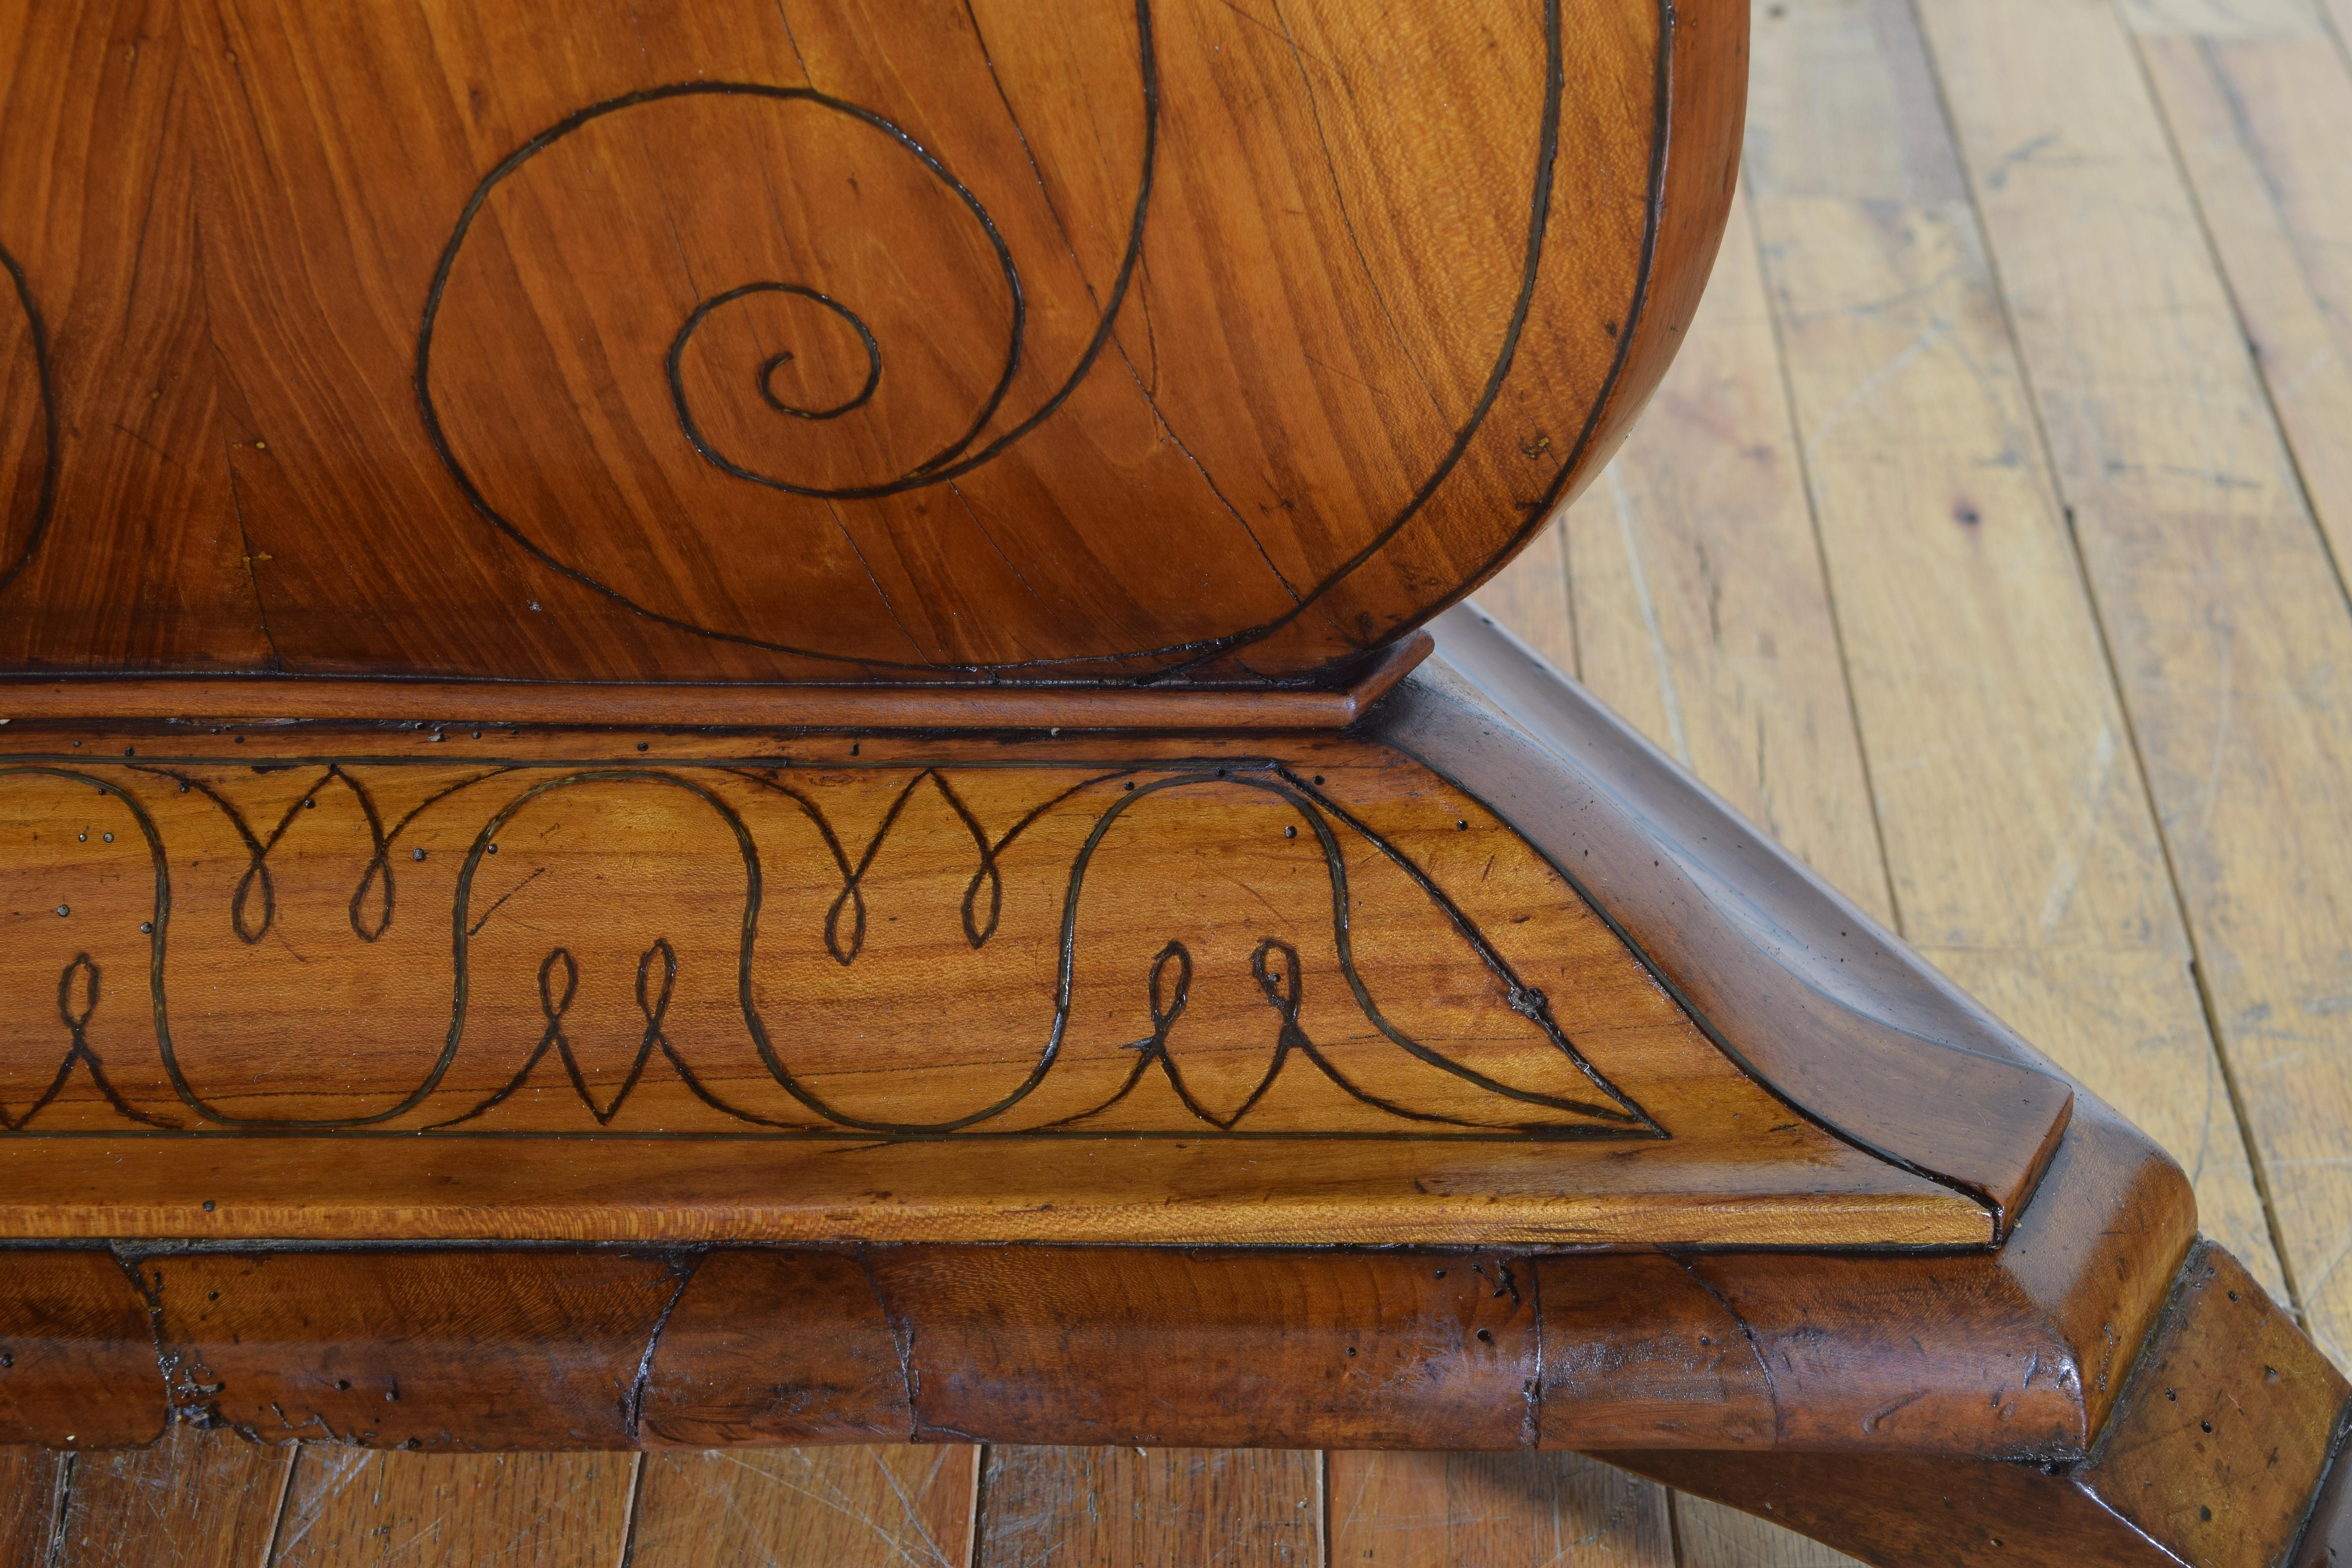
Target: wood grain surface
{"x":1889,"y":1051}
{"x":2014,"y":1352}
{"x":2251,"y":100}
{"x":1062,"y":342}
{"x":2032,"y":994}
{"x":2217,"y":594}
{"x":861,"y":1507}
{"x":1416,"y":1511}
{"x":909,"y":705}
{"x":349,"y":1507}
{"x":33,"y":1483}
{"x":186,"y":1502}
{"x":1130,"y":1508}
{"x":2218,"y":1444}
{"x":685,"y":951}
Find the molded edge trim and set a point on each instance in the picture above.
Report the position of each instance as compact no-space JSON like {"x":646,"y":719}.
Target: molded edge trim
{"x":941,"y":707}
{"x":1801,"y":988}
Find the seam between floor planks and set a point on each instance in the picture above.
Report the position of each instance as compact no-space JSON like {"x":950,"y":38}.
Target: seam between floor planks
{"x":1567,"y":589}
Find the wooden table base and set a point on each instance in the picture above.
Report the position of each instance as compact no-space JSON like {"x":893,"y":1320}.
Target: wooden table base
{"x":1786,"y":1220}
{"x":1909,"y":1411}
{"x":712,"y":731}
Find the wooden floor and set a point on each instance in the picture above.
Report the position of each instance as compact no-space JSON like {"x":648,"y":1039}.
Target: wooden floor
{"x":1985,"y":546}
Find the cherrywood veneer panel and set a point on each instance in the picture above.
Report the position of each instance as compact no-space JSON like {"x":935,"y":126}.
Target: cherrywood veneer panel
{"x":472,"y":939}
{"x":499,"y":334}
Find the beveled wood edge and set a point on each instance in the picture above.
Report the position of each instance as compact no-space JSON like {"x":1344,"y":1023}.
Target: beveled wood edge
{"x":1808,"y":993}
{"x":2224,"y":1450}
{"x":2326,"y":1541}
{"x":270,"y":698}
{"x":1478,"y":1349}
{"x":695,"y":1196}
{"x":2038,"y":1336}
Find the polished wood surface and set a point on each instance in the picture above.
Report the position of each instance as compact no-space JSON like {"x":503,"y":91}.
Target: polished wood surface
{"x":2019,"y":1352}
{"x":529,"y":340}
{"x":2097,"y":1005}
{"x":2218,"y":1444}
{"x":911,"y":705}
{"x":277,"y":983}
{"x":1794,"y":981}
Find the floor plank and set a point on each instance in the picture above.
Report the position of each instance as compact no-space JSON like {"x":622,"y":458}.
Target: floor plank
{"x":2224,"y":614}
{"x":2259,"y":107}
{"x":30,"y":1482}
{"x":1699,"y":608}
{"x":848,"y":1507}
{"x":354,"y":1507}
{"x":1713,"y":1536}
{"x":1531,"y":596}
{"x":1489,"y":1511}
{"x":1135,"y":1508}
{"x":194,"y":1500}
{"x":2025,"y":857}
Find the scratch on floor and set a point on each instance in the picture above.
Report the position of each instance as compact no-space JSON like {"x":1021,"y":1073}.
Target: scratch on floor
{"x":2090,"y":801}
{"x":1934,"y":332}
{"x":1627,"y":530}
{"x":340,"y":1464}
{"x":2223,"y":636}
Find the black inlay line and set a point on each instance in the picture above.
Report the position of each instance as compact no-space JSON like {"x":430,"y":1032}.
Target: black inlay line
{"x":1564,"y":1133}
{"x":762,"y":766}
{"x":1538,"y":221}
{"x":654,"y":1008}
{"x":950,"y":462}
{"x":776,"y":361}
{"x":1707,"y":1026}
{"x":1539,"y":512}
{"x":44,"y":504}
{"x":158,"y":924}
{"x":1275,"y":964}
{"x":956,"y":459}
{"x":258,"y":849}
{"x":1525,"y":1000}
{"x":80,"y":974}
{"x":1070,"y":246}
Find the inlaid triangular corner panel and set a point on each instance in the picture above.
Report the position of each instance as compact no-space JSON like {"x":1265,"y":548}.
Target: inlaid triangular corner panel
{"x":332,"y":982}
